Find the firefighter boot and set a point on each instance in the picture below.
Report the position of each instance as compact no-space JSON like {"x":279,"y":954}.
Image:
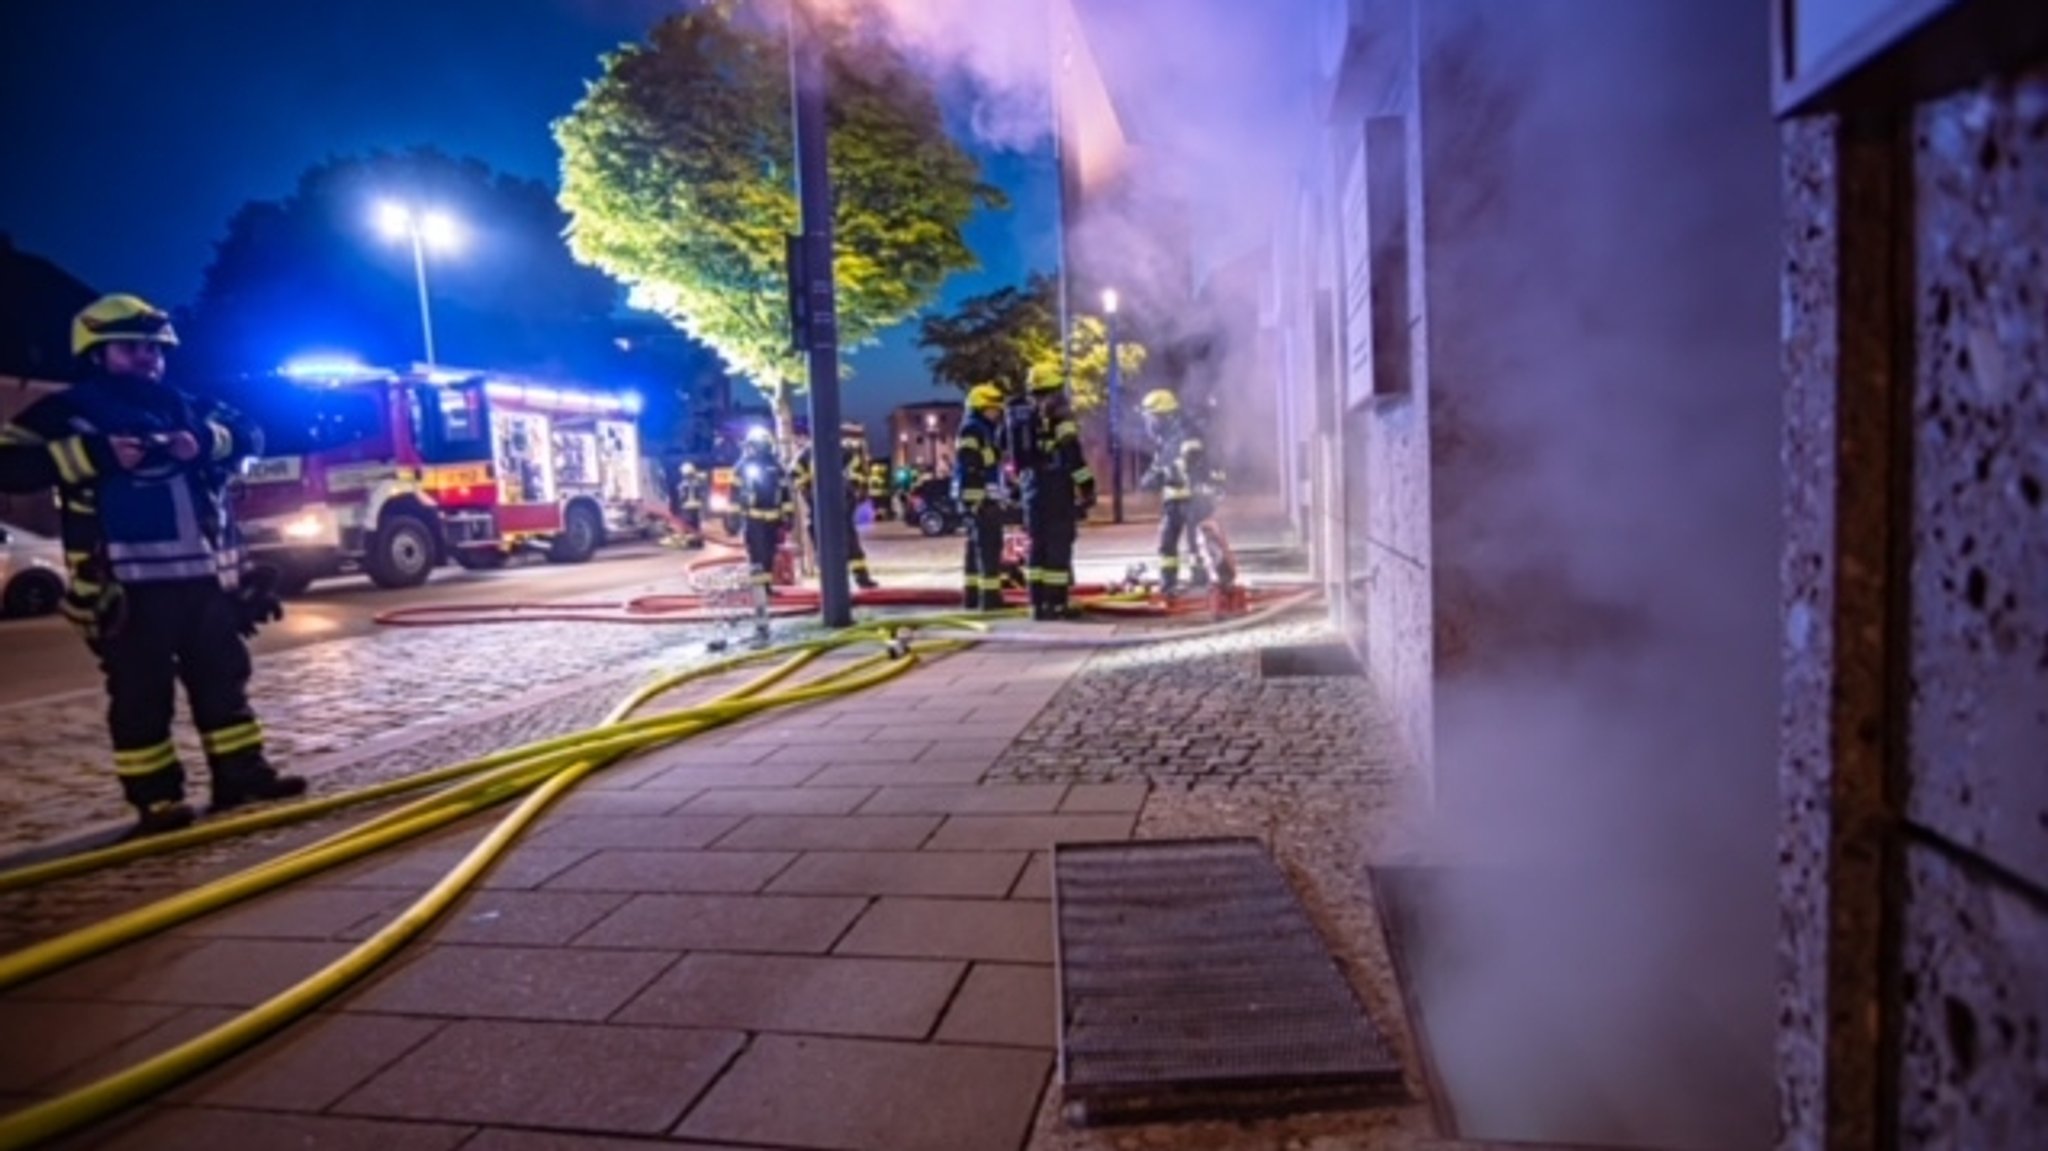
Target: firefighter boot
{"x":253,"y":781}
{"x":162,"y":815}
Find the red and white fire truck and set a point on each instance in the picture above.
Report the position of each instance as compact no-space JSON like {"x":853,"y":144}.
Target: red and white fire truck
{"x":392,"y":471}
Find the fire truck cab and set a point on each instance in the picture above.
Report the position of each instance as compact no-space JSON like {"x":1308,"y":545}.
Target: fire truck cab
{"x":390,"y":472}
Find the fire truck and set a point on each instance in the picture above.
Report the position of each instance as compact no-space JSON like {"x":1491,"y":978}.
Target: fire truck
{"x":391,"y":471}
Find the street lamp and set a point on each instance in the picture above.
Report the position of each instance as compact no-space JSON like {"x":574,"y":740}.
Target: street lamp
{"x":426,"y":230}
{"x":1116,"y":404}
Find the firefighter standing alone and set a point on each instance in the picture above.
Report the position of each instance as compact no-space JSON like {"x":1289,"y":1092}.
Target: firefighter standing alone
{"x":691,"y":491}
{"x":1058,"y":488}
{"x":763,"y":497}
{"x":853,"y":449}
{"x":156,"y":580}
{"x":1188,"y":486}
{"x":978,"y":489}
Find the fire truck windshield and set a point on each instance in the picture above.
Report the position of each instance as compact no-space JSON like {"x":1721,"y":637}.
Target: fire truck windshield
{"x":301,"y":421}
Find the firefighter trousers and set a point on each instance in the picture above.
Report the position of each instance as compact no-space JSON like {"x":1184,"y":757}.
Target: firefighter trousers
{"x":189,"y":632}
{"x":856,"y":555}
{"x":693,"y":524}
{"x":1181,"y":518}
{"x":1050,"y":569}
{"x":984,"y":561}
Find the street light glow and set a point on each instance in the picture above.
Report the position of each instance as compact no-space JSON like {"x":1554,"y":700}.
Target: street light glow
{"x":1109,"y":300}
{"x":439,"y":230}
{"x":394,"y":220}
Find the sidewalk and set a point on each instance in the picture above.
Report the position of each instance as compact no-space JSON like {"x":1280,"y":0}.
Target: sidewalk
{"x":826,"y":928}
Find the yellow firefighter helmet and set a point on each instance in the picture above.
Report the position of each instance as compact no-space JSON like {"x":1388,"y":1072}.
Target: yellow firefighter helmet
{"x":120,"y":317}
{"x":1159,"y":402}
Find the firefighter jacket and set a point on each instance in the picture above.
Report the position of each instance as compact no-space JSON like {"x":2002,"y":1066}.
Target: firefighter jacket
{"x":692,"y":490}
{"x":977,"y":462}
{"x":1055,"y":472}
{"x":855,"y":470}
{"x":763,"y":489}
{"x":164,"y":520}
{"x":1180,"y":468}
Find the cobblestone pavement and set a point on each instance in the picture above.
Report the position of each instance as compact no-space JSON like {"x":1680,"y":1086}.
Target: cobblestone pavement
{"x":1197,"y":712}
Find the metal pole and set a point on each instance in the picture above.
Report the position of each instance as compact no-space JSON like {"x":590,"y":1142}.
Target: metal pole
{"x":1116,"y":420}
{"x":814,"y":193}
{"x":419,"y":273}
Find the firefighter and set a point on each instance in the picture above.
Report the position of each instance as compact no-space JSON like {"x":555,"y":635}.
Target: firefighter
{"x":156,"y":582}
{"x":853,"y":449}
{"x":1059,"y":489}
{"x":763,"y":498}
{"x":691,"y":491}
{"x":879,"y":493}
{"x":1187,"y":485}
{"x":978,"y":489}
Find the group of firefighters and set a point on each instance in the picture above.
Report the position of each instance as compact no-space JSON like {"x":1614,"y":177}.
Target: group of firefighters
{"x":162,"y":594}
{"x":1007,"y":453}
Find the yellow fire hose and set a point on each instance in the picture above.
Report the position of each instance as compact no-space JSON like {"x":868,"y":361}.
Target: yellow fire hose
{"x":543,"y":770}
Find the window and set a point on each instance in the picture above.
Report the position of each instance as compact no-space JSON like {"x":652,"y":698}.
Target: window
{"x":1386,"y":192}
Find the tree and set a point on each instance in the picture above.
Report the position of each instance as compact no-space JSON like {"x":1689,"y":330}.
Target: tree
{"x":310,"y":271}
{"x":678,"y":177}
{"x":1004,"y":336}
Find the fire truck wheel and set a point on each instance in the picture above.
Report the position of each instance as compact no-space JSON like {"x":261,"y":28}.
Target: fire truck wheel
{"x":402,"y":554}
{"x":582,"y":531}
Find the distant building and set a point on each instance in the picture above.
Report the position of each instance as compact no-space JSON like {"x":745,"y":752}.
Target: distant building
{"x":921,"y":435}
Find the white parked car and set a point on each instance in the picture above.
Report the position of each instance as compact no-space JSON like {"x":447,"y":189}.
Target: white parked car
{"x":31,"y":572}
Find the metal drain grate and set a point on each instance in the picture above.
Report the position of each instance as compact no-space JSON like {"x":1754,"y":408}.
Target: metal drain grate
{"x":1193,"y":984}
{"x":1315,"y":659}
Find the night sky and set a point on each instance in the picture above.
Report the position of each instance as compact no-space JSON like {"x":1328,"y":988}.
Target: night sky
{"x":135,"y":128}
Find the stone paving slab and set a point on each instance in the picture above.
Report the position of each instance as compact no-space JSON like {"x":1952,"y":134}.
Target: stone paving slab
{"x":1027,"y":832}
{"x":547,"y":983}
{"x":1104,"y":798}
{"x":1002,"y":1005}
{"x":861,"y":1095}
{"x":1036,"y":882}
{"x":196,"y":1129}
{"x":779,"y":801}
{"x":674,"y":872}
{"x":832,"y":833}
{"x":799,"y":924}
{"x":525,"y":866}
{"x":1005,"y":931}
{"x":898,"y":750}
{"x":881,"y":998}
{"x":957,"y":799}
{"x":512,"y":918}
{"x":66,"y":1034}
{"x":648,"y":831}
{"x":314,"y":913}
{"x":190,"y":972}
{"x":509,"y":1139}
{"x":912,"y":774}
{"x":579,"y":1077}
{"x":934,"y":873}
{"x":312,"y":1065}
{"x":701,"y":776}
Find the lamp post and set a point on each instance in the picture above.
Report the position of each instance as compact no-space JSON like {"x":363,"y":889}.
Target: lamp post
{"x":1116,"y":407}
{"x":425,"y":230}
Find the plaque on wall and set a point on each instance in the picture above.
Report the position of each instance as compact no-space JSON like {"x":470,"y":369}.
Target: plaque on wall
{"x":1818,"y":44}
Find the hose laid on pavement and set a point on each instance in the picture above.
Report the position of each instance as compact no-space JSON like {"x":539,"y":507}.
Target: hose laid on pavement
{"x":542,"y":771}
{"x":66,"y":1113}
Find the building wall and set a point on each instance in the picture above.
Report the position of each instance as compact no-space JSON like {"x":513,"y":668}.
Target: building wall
{"x":1914,"y":778}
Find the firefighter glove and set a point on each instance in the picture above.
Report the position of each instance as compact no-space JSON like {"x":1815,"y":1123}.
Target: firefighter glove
{"x":257,"y":600}
{"x":98,"y":611}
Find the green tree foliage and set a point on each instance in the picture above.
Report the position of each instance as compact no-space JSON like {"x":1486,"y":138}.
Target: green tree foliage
{"x":1004,"y":336}
{"x":678,"y":177}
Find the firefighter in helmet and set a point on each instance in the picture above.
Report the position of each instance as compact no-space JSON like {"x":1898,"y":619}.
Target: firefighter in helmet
{"x":1187,"y":484}
{"x":692,"y":489}
{"x":978,"y":489}
{"x":157,"y":586}
{"x":880,"y":490}
{"x":853,"y":449}
{"x":1058,"y":488}
{"x":764,"y":499}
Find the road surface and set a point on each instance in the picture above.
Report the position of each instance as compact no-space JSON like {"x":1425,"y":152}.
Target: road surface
{"x":44,"y":656}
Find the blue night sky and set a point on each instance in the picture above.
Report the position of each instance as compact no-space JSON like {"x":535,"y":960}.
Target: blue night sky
{"x":135,"y":128}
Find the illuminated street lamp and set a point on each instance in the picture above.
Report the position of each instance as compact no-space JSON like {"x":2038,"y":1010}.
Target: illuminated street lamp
{"x":428,"y":229}
{"x":1116,"y":404}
